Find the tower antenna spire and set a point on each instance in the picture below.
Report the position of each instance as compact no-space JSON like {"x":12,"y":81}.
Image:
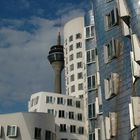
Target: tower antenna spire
{"x":59,"y":39}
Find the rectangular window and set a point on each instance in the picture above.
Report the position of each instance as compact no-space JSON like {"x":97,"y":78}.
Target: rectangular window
{"x":111,"y":19}
{"x":73,"y":88}
{"x":80,"y":86}
{"x":70,"y":47}
{"x":72,"y":128}
{"x":37,"y":133}
{"x":78,"y":45}
{"x":111,"y":50}
{"x":92,"y":82}
{"x":80,"y":75}
{"x":12,"y":131}
{"x":79,"y":65}
{"x":60,"y":100}
{"x":79,"y":117}
{"x":51,"y":111}
{"x":61,"y":114}
{"x":91,"y":56}
{"x":69,"y":102}
{"x":81,"y":130}
{"x":71,"y":67}
{"x":0,"y":131}
{"x":89,"y":32}
{"x":78,"y":35}
{"x":72,"y":77}
{"x":91,"y":110}
{"x":70,"y":38}
{"x":78,"y":104}
{"x":63,"y":128}
{"x":111,"y":85}
{"x":48,"y":135}
{"x":79,"y":55}
{"x":71,"y":115}
{"x":49,"y":99}
{"x":71,"y":57}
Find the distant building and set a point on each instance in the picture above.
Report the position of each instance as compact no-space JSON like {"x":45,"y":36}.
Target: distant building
{"x":74,"y":57}
{"x":67,"y":110}
{"x":27,"y":126}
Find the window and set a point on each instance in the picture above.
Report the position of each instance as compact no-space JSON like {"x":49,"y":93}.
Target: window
{"x":72,"y":77}
{"x":70,"y":47}
{"x":34,"y":101}
{"x":61,"y":113}
{"x":71,"y":67}
{"x":91,"y":82}
{"x":89,"y":32}
{"x":60,"y":100}
{"x":51,"y":111}
{"x":81,"y":130}
{"x":63,"y":128}
{"x":71,"y":115}
{"x":48,"y":135}
{"x":111,"y":85}
{"x":49,"y":99}
{"x":79,"y":65}
{"x":64,"y":139}
{"x":72,"y":128}
{"x":70,"y":38}
{"x":12,"y":131}
{"x":111,"y":50}
{"x":108,"y":0}
{"x":73,"y":88}
{"x":91,"y":110}
{"x":66,"y":42}
{"x":80,"y":86}
{"x":37,"y":133}
{"x":69,"y":102}
{"x":71,"y":57}
{"x":79,"y":117}
{"x":78,"y":45}
{"x":78,"y":104}
{"x":78,"y":36}
{"x":79,"y":55}
{"x":91,"y":56}
{"x":111,"y":19}
{"x":80,"y":75}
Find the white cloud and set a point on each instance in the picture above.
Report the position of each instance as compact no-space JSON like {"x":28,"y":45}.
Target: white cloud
{"x":23,"y":57}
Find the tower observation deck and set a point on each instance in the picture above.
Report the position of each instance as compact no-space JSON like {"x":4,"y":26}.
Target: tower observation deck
{"x":56,"y":59}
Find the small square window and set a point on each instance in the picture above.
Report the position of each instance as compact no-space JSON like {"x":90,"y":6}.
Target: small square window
{"x":79,"y":117}
{"x":78,"y":36}
{"x":71,"y":57}
{"x":63,"y":128}
{"x":69,"y":102}
{"x":80,"y":75}
{"x":70,"y":47}
{"x":79,"y":65}
{"x":60,"y":100}
{"x":80,"y":86}
{"x":81,"y":130}
{"x":73,"y":88}
{"x":70,"y":38}
{"x":79,"y":55}
{"x":71,"y":67}
{"x":12,"y":131}
{"x":78,"y":45}
{"x":72,"y":128}
{"x":61,"y":114}
{"x":72,"y":77}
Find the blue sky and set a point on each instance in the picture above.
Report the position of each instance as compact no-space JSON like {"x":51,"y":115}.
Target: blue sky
{"x":27,"y":30}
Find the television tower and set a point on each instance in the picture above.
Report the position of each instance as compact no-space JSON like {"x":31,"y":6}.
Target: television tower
{"x":56,"y":59}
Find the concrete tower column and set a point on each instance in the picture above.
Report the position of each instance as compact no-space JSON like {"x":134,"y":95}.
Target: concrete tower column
{"x":56,"y":58}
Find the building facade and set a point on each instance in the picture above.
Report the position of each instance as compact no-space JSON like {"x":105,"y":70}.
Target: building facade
{"x":27,"y":126}
{"x":74,"y":57}
{"x":117,"y":35}
{"x":67,"y":110}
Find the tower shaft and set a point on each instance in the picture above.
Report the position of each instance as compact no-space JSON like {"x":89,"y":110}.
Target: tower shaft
{"x":57,"y":66}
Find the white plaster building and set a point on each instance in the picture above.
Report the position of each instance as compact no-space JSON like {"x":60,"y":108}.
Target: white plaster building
{"x":74,"y":57}
{"x":27,"y":126}
{"x":68,"y":112}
